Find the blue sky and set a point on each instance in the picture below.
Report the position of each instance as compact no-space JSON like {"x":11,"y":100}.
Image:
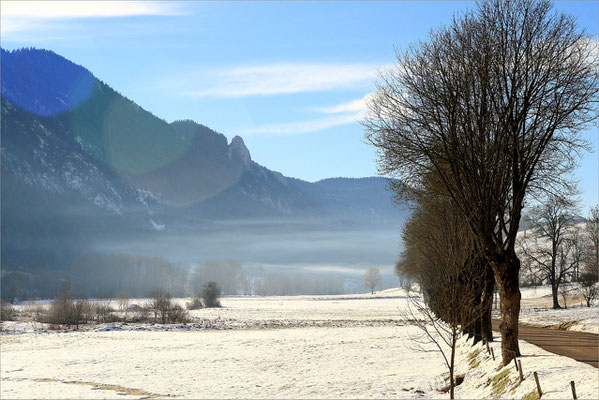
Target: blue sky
{"x":288,"y":77}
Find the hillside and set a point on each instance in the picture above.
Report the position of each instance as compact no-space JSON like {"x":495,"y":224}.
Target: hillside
{"x":85,"y":168}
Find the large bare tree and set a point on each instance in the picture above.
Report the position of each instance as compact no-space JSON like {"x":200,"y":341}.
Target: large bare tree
{"x":493,"y":104}
{"x":551,"y":245}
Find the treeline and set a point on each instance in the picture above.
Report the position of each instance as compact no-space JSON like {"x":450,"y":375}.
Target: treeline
{"x":556,"y":250}
{"x":440,"y":253}
{"x":105,"y":276}
{"x":100,"y":275}
{"x":236,"y":280}
{"x":69,"y":311}
{"x":476,"y":122}
{"x":277,"y":284}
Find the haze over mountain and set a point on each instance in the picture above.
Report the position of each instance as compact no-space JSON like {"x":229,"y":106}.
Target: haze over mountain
{"x":84,"y":168}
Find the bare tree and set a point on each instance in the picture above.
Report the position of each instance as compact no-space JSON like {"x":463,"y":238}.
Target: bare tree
{"x":591,"y":234}
{"x":589,"y":288}
{"x":123,"y":300}
{"x":372,"y":279}
{"x":161,"y":302}
{"x":438,"y":252}
{"x":493,"y":104}
{"x":589,"y":278}
{"x":551,"y":247}
{"x":64,"y":310}
{"x":7,"y":311}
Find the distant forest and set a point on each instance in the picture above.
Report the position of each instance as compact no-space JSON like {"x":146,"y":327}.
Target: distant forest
{"x":99,"y":275}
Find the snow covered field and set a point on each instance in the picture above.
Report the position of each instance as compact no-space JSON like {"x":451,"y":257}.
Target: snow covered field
{"x":275,"y":347}
{"x":536,"y":310}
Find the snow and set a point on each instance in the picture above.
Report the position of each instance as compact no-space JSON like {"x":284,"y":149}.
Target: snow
{"x":535,"y":292}
{"x":584,"y":319}
{"x":536,"y":310}
{"x":365,"y":362}
{"x":555,"y":373}
{"x":347,"y":346}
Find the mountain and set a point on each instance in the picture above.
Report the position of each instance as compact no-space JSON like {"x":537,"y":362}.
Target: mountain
{"x":83,"y":167}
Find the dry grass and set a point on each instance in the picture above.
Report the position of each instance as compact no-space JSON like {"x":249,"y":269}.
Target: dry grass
{"x":119,"y":389}
{"x":532,"y":395}
{"x":473,"y":359}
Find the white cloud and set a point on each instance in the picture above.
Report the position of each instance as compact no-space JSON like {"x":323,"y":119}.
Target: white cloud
{"x":294,"y":128}
{"x":20,"y":16}
{"x":84,"y":9}
{"x":345,"y":113}
{"x":358,"y":105}
{"x":277,"y":79}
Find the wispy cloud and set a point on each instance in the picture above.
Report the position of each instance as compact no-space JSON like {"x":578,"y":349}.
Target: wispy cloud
{"x":84,"y":9}
{"x":345,"y":113}
{"x":20,"y":16}
{"x":341,"y":114}
{"x":357,"y":106}
{"x":275,"y":79}
{"x":294,"y":128}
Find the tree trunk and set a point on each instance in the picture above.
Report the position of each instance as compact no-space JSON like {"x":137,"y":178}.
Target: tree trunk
{"x":454,"y":335}
{"x":468,"y":330}
{"x":477,"y":331}
{"x":475,"y":315}
{"x":554,"y":296}
{"x":487,"y":305}
{"x":506,"y":269}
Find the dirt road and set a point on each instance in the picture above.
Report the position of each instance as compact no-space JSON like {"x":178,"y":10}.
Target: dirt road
{"x":581,"y":346}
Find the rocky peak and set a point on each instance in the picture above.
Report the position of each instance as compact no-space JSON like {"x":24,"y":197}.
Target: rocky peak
{"x":237,"y":149}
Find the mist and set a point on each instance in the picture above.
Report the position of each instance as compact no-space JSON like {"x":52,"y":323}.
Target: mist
{"x":269,"y":257}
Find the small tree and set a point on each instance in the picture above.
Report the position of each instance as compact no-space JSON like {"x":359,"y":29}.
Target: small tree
{"x":589,"y":288}
{"x":7,"y":311}
{"x":591,"y":240}
{"x":196,"y":303}
{"x":161,"y":303}
{"x":210,"y":295}
{"x":373,"y":279}
{"x":438,"y":249}
{"x":66,"y":311}
{"x":103,"y":312}
{"x":123,"y":300}
{"x":59,"y":311}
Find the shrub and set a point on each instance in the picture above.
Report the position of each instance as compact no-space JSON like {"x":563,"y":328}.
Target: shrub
{"x":589,"y":287}
{"x":140,"y":314}
{"x":7,"y":311}
{"x":177,"y":315}
{"x":161,"y":303}
{"x":210,"y":295}
{"x":196,"y":303}
{"x":64,"y":311}
{"x":103,"y":312}
{"x":36,"y":312}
